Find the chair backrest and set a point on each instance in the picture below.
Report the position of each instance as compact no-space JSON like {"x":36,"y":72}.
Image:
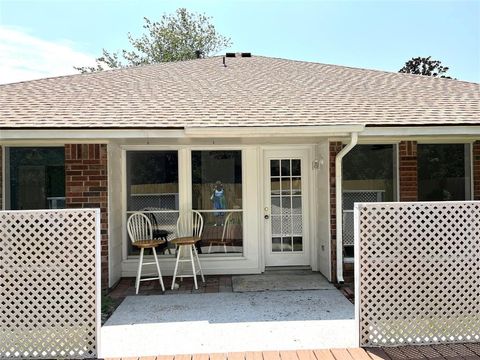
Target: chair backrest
{"x":227,"y":233}
{"x":139,"y":227}
{"x":190,"y":223}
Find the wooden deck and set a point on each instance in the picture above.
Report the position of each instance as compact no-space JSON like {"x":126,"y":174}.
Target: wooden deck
{"x":433,"y":352}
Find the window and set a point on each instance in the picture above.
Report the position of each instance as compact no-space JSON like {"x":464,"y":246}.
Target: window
{"x":152,"y":188}
{"x":36,"y":178}
{"x":443,"y":172}
{"x":368,"y":176}
{"x":217,"y":195}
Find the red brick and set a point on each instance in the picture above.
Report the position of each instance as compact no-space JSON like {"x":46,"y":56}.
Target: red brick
{"x":86,"y":186}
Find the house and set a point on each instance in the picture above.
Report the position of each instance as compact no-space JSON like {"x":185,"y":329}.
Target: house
{"x":272,"y":152}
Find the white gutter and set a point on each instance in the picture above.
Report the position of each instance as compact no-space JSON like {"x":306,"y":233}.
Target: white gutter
{"x":338,"y":207}
{"x":273,"y":131}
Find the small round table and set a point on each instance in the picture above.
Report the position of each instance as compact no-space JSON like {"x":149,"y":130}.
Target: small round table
{"x":187,"y":244}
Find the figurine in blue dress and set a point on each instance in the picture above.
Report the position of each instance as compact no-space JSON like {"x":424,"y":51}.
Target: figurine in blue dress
{"x":219,"y":202}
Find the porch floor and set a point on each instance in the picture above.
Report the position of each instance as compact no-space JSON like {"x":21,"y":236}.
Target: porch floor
{"x":436,"y":352}
{"x":219,"y":320}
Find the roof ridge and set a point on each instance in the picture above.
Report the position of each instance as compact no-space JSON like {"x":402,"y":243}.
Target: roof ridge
{"x":171,"y":63}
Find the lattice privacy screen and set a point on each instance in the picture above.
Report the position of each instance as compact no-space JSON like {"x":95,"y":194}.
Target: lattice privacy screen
{"x":419,"y":272}
{"x":48,"y":292}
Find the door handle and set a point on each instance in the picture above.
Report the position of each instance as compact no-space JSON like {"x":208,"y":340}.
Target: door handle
{"x":267,"y":217}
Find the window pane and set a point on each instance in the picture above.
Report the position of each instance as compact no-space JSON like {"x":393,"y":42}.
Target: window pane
{"x":368,"y":176}
{"x":217,"y":195}
{"x":217,"y":180}
{"x":37,"y":178}
{"x":443,"y":172}
{"x":152,"y":188}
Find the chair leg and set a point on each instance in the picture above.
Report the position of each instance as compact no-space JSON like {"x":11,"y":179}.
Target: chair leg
{"x":176,"y":267}
{"x":198,"y":261}
{"x":193,"y":266}
{"x":139,"y":272}
{"x":158,"y":268}
{"x":210,"y":248}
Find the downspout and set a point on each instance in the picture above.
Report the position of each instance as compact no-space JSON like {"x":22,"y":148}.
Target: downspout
{"x":338,"y":198}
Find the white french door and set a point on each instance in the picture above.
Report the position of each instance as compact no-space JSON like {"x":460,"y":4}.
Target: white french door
{"x":285,"y":212}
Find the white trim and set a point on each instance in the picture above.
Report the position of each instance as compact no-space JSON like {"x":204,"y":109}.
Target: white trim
{"x":356,"y":267}
{"x":308,"y":210}
{"x":409,"y":131}
{"x":276,"y":131}
{"x":338,"y":205}
{"x":98,"y":279}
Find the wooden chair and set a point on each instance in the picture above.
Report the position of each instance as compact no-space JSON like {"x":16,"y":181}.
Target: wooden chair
{"x":189,"y":232}
{"x":140,"y":230}
{"x":227,"y":234}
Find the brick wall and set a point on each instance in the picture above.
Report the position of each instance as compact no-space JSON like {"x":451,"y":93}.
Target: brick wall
{"x":86,"y":186}
{"x":1,"y":178}
{"x":476,"y":170}
{"x":335,"y":148}
{"x":407,"y":171}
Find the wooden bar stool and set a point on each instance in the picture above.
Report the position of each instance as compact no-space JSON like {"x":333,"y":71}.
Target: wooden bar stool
{"x":140,"y":230}
{"x":189,"y":230}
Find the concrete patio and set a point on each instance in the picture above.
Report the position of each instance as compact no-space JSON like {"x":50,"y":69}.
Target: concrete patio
{"x":229,"y":322}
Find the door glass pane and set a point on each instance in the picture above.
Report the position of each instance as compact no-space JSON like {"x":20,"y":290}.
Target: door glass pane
{"x":217,"y":194}
{"x":287,"y":243}
{"x":275,"y":186}
{"x":297,"y":243}
{"x":285,"y":168}
{"x":37,"y":178}
{"x":297,"y":205}
{"x":276,"y":244}
{"x":275,"y":205}
{"x":296,"y":186}
{"x":288,"y":226}
{"x":152,"y":188}
{"x":296,"y":167}
{"x":275,"y":167}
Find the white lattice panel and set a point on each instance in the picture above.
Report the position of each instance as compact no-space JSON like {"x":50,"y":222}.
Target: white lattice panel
{"x":48,"y":292}
{"x":419,"y":272}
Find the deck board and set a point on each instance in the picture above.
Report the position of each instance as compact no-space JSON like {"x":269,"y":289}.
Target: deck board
{"x":377,"y":354}
{"x":447,"y":352}
{"x":359,"y":354}
{"x":468,"y":351}
{"x":253,"y":355}
{"x":474,"y":347}
{"x":271,"y":355}
{"x":341,"y":354}
{"x":201,"y":357}
{"x":288,"y":355}
{"x":236,"y":356}
{"x":430,"y":353}
{"x":324,"y":355}
{"x":306,"y":355}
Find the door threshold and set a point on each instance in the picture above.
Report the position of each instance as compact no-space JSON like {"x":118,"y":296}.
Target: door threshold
{"x":284,"y":268}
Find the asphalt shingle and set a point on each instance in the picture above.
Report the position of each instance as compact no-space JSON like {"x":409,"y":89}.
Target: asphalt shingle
{"x":256,"y":91}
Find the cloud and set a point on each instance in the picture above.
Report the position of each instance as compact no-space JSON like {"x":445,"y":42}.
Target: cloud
{"x":26,"y":57}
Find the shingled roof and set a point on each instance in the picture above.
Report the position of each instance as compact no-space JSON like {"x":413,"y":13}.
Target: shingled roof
{"x":255,"y":91}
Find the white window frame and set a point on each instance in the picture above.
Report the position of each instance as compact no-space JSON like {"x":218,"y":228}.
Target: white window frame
{"x":184,"y":187}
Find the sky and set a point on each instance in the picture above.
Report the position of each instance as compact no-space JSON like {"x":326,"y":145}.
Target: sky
{"x":48,"y":38}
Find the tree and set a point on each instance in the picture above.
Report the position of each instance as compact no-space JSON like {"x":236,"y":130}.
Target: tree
{"x":179,"y":36}
{"x":425,"y":66}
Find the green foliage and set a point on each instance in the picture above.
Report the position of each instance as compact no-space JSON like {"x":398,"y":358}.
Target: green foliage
{"x":425,"y":66}
{"x":174,"y":37}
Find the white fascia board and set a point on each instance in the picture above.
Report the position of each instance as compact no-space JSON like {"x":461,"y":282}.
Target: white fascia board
{"x":200,"y":132}
{"x":419,"y":131}
{"x":273,"y":131}
{"x":88,"y":134}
